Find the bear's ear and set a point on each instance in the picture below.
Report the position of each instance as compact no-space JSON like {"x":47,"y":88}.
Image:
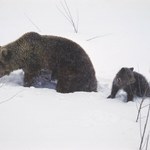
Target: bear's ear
{"x":6,"y":54}
{"x":132,"y":69}
{"x":122,"y":69}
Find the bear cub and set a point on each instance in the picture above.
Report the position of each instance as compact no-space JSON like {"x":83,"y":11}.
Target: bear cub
{"x":133,"y":83}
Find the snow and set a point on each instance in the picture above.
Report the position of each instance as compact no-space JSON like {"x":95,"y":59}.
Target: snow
{"x":39,"y":118}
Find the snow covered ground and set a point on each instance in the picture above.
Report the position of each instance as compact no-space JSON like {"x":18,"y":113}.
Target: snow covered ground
{"x":42,"y":119}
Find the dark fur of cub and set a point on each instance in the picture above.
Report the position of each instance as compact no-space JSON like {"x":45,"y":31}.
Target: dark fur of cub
{"x":133,"y":83}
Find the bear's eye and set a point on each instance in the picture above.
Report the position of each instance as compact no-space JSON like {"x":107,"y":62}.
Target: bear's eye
{"x":118,"y":80}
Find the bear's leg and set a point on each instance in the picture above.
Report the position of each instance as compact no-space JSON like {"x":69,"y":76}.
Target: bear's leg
{"x":114,"y":91}
{"x":130,"y":94}
{"x":73,"y":83}
{"x":129,"y":97}
{"x":28,"y":79}
{"x":63,"y":86}
{"x":69,"y":83}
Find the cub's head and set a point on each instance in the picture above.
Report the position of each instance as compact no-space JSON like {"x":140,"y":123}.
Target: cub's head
{"x":5,"y":61}
{"x":124,"y":77}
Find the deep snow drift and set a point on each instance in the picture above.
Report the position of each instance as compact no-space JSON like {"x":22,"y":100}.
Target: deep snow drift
{"x":115,"y":34}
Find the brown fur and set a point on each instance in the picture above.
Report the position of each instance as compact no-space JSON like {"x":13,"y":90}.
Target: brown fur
{"x":65,"y":59}
{"x":133,"y":83}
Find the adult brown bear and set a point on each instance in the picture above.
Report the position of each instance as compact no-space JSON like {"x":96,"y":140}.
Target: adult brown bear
{"x":65,"y":59}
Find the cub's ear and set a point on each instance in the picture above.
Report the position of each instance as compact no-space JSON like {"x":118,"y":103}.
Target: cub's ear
{"x":6,"y":54}
{"x":122,"y":69}
{"x":132,"y":69}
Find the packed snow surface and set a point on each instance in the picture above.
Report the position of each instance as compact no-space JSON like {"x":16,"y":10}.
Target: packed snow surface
{"x":114,"y":34}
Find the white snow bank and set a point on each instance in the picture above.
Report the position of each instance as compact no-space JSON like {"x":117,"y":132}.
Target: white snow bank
{"x":42,"y":119}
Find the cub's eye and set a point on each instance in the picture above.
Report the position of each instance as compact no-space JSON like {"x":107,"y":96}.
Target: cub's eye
{"x":118,"y":80}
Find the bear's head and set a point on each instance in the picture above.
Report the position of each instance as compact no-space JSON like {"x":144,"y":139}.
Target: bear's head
{"x":124,"y":77}
{"x":5,"y":61}
{"x":12,"y":55}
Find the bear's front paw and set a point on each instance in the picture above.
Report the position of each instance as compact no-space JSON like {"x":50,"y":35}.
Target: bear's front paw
{"x":26,"y":84}
{"x":110,"y":96}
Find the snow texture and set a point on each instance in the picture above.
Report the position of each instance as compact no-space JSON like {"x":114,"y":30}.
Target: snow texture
{"x":115,"y":34}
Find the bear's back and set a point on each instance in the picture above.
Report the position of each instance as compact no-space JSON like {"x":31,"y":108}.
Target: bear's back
{"x":141,"y":84}
{"x":66,"y":51}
